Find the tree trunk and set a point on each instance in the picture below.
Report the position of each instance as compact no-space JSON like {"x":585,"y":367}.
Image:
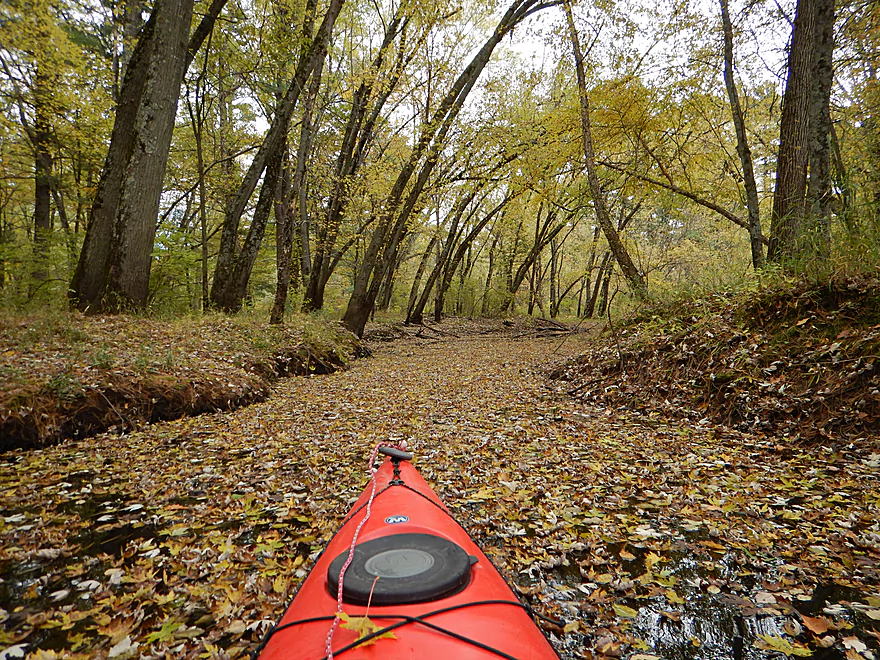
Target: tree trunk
{"x":742,"y":145}
{"x":284,"y":229}
{"x":90,"y":278}
{"x":543,"y":235}
{"x":603,"y":300}
{"x":357,"y":138}
{"x":229,"y":298}
{"x":416,"y":315}
{"x":128,"y":279}
{"x":283,"y":242}
{"x":464,"y":246}
{"x":484,"y":307}
{"x":196,"y":109}
{"x":600,"y":277}
{"x":787,"y":220}
{"x":594,"y":246}
{"x":819,"y":187}
{"x":555,"y":265}
{"x":113,"y":270}
{"x":43,"y":162}
{"x":417,"y":280}
{"x":630,"y":272}
{"x":509,"y":300}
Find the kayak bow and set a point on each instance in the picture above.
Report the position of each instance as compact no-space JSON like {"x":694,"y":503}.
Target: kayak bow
{"x":425,"y":579}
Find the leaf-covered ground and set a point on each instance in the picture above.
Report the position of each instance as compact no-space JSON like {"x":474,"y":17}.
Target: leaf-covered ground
{"x":71,"y":376}
{"x":798,"y":360}
{"x":649,"y":537}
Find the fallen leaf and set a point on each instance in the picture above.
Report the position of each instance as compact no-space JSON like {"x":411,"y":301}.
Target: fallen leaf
{"x":364,"y":627}
{"x":817,"y":625}
{"x":855,"y":644}
{"x":625,"y":612}
{"x":782,"y":645}
{"x":13,"y":652}
{"x":123,"y":649}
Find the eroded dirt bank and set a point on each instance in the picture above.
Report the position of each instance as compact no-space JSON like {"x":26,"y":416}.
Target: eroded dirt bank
{"x":649,"y":537}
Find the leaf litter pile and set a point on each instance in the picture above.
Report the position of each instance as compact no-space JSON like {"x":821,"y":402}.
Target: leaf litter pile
{"x":647,"y":536}
{"x":798,"y":360}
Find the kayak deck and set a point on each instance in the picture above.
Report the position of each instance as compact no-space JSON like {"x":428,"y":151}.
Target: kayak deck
{"x":440,"y":597}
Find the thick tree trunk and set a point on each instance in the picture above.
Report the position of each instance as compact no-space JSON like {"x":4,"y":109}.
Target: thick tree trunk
{"x":128,"y":279}
{"x":787,"y":220}
{"x":742,"y":145}
{"x":819,"y":187}
{"x":90,"y":278}
{"x":114,"y":265}
{"x":627,"y":267}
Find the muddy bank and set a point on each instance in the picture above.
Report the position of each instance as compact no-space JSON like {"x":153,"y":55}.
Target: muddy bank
{"x":72,"y":376}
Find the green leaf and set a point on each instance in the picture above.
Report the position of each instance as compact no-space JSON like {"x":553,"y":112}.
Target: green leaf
{"x":782,"y":645}
{"x":625,"y":612}
{"x":165,"y":634}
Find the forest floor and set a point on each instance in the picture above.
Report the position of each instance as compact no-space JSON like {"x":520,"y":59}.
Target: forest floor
{"x":651,"y":535}
{"x":67,"y":375}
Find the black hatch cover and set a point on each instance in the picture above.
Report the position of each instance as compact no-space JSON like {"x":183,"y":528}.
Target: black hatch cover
{"x":412,"y":568}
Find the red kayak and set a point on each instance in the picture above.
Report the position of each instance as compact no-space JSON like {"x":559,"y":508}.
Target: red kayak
{"x":426,"y":581}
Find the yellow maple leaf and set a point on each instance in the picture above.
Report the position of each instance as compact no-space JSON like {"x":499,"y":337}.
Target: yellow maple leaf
{"x":364,"y":627}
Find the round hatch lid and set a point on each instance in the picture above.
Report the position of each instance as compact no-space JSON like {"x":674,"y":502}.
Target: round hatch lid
{"x":412,"y":568}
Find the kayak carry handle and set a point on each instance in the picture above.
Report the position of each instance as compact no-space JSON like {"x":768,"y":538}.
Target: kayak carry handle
{"x":395,"y":453}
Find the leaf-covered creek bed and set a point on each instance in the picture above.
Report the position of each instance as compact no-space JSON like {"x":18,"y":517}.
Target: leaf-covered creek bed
{"x":650,"y":538}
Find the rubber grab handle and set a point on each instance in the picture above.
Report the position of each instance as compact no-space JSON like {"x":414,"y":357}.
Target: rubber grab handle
{"x":395,"y":453}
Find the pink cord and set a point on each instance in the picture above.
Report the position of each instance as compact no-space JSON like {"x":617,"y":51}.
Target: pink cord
{"x":402,"y":446}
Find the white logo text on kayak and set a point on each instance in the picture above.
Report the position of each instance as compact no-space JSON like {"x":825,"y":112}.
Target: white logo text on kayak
{"x":396,"y":520}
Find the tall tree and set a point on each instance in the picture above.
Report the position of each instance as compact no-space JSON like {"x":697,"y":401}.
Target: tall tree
{"x":227,"y":272}
{"x":793,"y":233}
{"x":113,"y":271}
{"x":367,"y":104}
{"x":820,"y":133}
{"x":742,"y":144}
{"x":630,"y":272}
